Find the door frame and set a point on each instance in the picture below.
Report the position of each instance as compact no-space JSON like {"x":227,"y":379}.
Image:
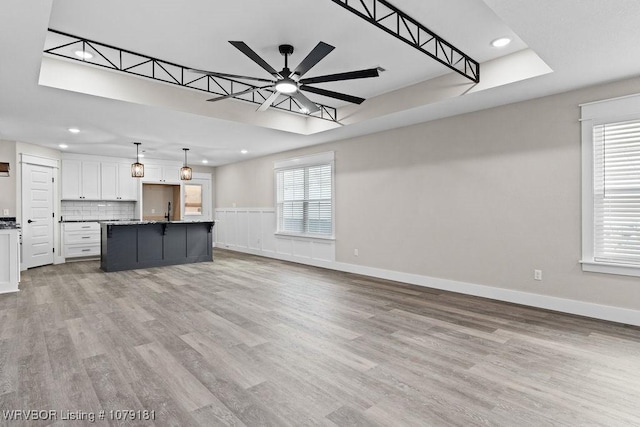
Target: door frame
{"x":202,"y":177}
{"x":54,"y":164}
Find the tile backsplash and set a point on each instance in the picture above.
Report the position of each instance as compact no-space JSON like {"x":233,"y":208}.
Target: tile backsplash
{"x":84,"y":210}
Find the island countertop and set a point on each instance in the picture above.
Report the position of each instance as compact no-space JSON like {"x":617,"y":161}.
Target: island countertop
{"x":143,"y":222}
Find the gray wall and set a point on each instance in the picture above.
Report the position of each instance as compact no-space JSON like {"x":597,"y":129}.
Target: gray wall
{"x":484,"y":198}
{"x":8,"y":184}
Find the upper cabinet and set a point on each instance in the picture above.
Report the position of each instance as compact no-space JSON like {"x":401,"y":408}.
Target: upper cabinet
{"x":117,"y":182}
{"x":162,"y":173}
{"x":92,"y":178}
{"x":109,"y":178}
{"x":127,"y":185}
{"x":80,"y":180}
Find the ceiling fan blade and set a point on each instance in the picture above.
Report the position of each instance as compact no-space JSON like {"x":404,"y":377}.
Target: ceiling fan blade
{"x":266,"y":104}
{"x":332,"y":94}
{"x":306,"y":102}
{"x":350,"y":75}
{"x":321,"y":50}
{"x":232,"y":76}
{"x":242,"y":47}
{"x":244,"y":92}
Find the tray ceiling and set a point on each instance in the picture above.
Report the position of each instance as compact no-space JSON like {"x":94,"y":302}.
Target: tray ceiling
{"x":195,"y":33}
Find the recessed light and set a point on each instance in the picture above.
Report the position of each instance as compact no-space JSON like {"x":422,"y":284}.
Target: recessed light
{"x":63,"y":146}
{"x":141,"y":155}
{"x":304,"y":110}
{"x":244,"y":151}
{"x":205,"y":161}
{"x":501,"y":42}
{"x":83,"y":54}
{"x":74,"y":130}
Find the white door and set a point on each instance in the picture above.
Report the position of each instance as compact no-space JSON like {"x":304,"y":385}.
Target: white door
{"x":197,"y":200}
{"x":37,"y":215}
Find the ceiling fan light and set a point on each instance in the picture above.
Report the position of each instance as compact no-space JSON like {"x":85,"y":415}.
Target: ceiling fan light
{"x":286,"y":86}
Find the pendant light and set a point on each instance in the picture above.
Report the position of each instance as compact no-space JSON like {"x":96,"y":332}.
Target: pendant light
{"x":137,"y":168}
{"x":185,"y":171}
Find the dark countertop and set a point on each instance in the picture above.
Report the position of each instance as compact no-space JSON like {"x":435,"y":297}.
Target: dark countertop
{"x":9,"y":223}
{"x":9,"y":226}
{"x":143,"y":222}
{"x":96,"y":220}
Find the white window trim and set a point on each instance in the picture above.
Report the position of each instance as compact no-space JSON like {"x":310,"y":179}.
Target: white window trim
{"x":304,"y":161}
{"x":593,"y":114}
{"x":301,"y":162}
{"x":304,"y":236}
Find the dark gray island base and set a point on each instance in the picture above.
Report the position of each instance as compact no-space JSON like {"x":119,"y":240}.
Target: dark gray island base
{"x":127,"y":245}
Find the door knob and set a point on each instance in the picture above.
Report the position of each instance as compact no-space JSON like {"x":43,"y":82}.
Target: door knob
{"x":30,"y":221}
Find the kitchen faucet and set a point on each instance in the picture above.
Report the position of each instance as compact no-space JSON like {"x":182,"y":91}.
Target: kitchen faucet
{"x":168,"y":215}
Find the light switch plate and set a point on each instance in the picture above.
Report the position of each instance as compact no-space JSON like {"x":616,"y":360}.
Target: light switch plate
{"x":5,"y":212}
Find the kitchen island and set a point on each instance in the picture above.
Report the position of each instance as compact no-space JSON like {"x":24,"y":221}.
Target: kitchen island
{"x":127,"y":245}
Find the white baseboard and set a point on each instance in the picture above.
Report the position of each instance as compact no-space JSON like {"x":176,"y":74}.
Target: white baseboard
{"x":581,"y":308}
{"x":283,"y":257}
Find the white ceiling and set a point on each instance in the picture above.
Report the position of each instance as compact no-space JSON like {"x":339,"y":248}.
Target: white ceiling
{"x":583,"y":41}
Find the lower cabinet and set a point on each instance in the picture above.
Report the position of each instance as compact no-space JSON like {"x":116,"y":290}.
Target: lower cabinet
{"x":9,"y":260}
{"x":81,"y":239}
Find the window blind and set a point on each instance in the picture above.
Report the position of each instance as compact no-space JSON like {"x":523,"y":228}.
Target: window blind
{"x":617,"y":192}
{"x":304,"y":200}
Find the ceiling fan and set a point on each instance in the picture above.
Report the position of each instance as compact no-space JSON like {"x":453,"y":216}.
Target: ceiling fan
{"x":290,"y":82}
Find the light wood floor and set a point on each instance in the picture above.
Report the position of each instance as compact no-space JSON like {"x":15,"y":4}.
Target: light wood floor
{"x":253,"y":341}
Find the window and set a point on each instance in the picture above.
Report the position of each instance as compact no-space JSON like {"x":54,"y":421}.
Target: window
{"x":193,"y":199}
{"x":304,"y":196}
{"x":611,"y":186}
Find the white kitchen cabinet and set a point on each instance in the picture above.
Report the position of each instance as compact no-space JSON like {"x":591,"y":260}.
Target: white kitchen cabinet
{"x":127,"y":185}
{"x":9,"y":260}
{"x":117,"y":182}
{"x":80,"y":180}
{"x":81,"y":239}
{"x":162,"y":173}
{"x":109,"y":181}
{"x":152,"y":173}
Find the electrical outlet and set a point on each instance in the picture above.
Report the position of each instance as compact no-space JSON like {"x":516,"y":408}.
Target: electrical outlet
{"x":153,"y":211}
{"x":5,"y":212}
{"x":355,"y":252}
{"x":537,"y":274}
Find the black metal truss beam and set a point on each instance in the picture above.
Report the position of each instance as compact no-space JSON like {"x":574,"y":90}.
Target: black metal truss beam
{"x":400,"y":25}
{"x":125,"y":61}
